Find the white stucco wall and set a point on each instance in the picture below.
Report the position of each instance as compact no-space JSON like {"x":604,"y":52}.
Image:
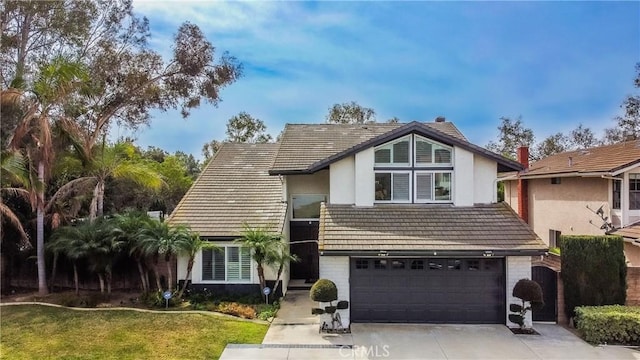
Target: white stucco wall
{"x":342,"y":181}
{"x":365,"y":178}
{"x":463,"y":177}
{"x":518,"y":267}
{"x":336,"y":269}
{"x":484,"y":176}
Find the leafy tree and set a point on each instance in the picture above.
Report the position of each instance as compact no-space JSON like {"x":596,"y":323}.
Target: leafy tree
{"x":583,"y":138}
{"x":554,"y":144}
{"x":263,"y":243}
{"x":191,"y":165}
{"x":627,"y":125}
{"x":164,"y":240}
{"x":350,"y":113}
{"x":511,"y":135}
{"x":393,"y":120}
{"x":209,"y":149}
{"x":244,"y":128}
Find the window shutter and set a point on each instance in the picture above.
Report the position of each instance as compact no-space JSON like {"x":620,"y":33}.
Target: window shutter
{"x":245,"y":261}
{"x":383,"y":156}
{"x":424,"y":187}
{"x":233,"y":263}
{"x":218,"y":265}
{"x":400,"y":186}
{"x":207,"y":264}
{"x":423,"y":152}
{"x":401,"y":152}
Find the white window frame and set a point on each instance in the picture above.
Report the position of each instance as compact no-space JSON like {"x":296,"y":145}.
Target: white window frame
{"x":433,"y":190}
{"x":409,"y":140}
{"x":305,"y":219}
{"x":226,"y":269}
{"x":391,"y":201}
{"x":433,"y":153}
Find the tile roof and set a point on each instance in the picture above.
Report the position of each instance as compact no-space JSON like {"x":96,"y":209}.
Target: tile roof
{"x":631,"y":231}
{"x":303,"y":145}
{"x":235,"y":187}
{"x":424,"y":227}
{"x":609,"y":158}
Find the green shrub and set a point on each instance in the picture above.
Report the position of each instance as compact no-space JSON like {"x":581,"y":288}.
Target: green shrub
{"x":613,"y":324}
{"x":527,"y":291}
{"x":267,"y":311}
{"x":324,"y":290}
{"x":593,"y":271}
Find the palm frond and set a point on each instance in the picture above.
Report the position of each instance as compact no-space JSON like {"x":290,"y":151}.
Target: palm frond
{"x":7,"y":213}
{"x":140,"y":174}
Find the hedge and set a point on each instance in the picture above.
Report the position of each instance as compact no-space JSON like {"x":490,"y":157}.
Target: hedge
{"x":612,"y":324}
{"x":593,"y":271}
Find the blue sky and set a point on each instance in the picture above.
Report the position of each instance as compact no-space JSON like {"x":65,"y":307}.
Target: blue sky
{"x":556,"y":64}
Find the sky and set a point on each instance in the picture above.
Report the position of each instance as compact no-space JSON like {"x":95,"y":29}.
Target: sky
{"x":555,"y":64}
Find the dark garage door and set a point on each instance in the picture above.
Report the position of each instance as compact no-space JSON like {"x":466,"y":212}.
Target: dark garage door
{"x":428,"y":290}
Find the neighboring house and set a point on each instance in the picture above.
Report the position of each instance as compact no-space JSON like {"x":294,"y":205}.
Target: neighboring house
{"x":402,"y":217}
{"x":583,"y":192}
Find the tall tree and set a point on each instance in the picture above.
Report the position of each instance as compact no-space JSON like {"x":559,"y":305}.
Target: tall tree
{"x":244,"y":128}
{"x":628,"y":124}
{"x":511,"y":135}
{"x":553,"y":144}
{"x":583,"y":138}
{"x":350,"y":113}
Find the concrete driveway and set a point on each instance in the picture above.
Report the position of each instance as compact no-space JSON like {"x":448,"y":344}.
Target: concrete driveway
{"x":294,"y":335}
{"x":389,"y":341}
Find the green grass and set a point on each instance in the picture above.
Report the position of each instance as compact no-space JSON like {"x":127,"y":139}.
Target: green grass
{"x":42,"y":332}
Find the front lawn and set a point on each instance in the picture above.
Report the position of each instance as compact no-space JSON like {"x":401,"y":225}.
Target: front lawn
{"x":39,"y":332}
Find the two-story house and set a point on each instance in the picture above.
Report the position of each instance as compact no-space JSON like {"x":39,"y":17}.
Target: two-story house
{"x":402,"y":217}
{"x":585,"y":192}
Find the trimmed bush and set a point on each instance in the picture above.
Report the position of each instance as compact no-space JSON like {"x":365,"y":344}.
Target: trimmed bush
{"x":593,"y":271}
{"x":613,"y":324}
{"x":324,"y":290}
{"x":527,"y":291}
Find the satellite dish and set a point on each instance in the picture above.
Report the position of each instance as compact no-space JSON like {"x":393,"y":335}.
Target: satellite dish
{"x":600,"y":211}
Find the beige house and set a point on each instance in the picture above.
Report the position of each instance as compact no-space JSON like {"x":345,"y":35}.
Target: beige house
{"x":584,"y":192}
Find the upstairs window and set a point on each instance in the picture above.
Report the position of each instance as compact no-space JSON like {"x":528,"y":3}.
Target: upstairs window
{"x":395,"y":153}
{"x":393,"y":186}
{"x":306,"y":207}
{"x":634,"y":191}
{"x":433,"y":186}
{"x":429,"y":153}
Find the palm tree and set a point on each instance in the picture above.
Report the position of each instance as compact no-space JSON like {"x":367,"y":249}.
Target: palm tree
{"x":14,"y":170}
{"x":279,"y":260}
{"x":191,"y":246}
{"x":162,"y":239}
{"x":263,"y":244}
{"x":57,"y":80}
{"x":130,"y":227}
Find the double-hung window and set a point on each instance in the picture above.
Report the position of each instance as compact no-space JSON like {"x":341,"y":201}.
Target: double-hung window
{"x":413,"y":169}
{"x":634,"y":191}
{"x":229,"y":264}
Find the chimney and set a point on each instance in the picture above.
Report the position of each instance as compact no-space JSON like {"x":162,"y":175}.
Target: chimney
{"x":523,"y":185}
{"x":440,"y":119}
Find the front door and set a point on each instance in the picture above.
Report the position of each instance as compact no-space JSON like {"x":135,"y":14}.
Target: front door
{"x":548,"y":280}
{"x":304,"y":244}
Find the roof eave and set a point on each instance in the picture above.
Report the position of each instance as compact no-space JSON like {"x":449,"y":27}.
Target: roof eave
{"x":436,"y":253}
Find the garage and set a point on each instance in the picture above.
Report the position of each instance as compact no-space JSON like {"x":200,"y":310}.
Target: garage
{"x":428,"y":290}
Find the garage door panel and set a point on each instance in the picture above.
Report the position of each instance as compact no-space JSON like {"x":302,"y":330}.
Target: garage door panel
{"x":433,"y":290}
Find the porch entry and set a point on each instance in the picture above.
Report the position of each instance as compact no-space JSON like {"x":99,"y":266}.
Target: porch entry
{"x":304,"y":238}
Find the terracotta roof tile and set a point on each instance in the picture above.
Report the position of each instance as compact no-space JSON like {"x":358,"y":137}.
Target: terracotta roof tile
{"x":425,"y":227}
{"x":631,"y":231}
{"x":234,"y":188}
{"x":606,"y":159}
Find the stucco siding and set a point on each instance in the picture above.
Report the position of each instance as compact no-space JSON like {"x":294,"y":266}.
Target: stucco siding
{"x":365,"y":178}
{"x":336,"y":269}
{"x":518,"y":267}
{"x":563,"y":207}
{"x":342,"y":181}
{"x":511,"y":194}
{"x":484,"y":176}
{"x":463,"y":177}
{"x":317,"y":183}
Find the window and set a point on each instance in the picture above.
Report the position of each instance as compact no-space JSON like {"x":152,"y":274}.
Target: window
{"x":634,"y":191}
{"x":429,"y":153}
{"x":397,"y":264}
{"x":395,"y":153}
{"x":554,"y":238}
{"x":307,"y":206}
{"x":555,"y":181}
{"x":362,"y":264}
{"x":393,"y":186}
{"x":617,"y":193}
{"x":417,"y":265}
{"x":423,"y":171}
{"x":230,"y":264}
{"x":380,"y":264}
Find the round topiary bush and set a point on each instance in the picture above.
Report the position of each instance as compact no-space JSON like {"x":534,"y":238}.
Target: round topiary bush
{"x":529,"y":290}
{"x":324,"y":290}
